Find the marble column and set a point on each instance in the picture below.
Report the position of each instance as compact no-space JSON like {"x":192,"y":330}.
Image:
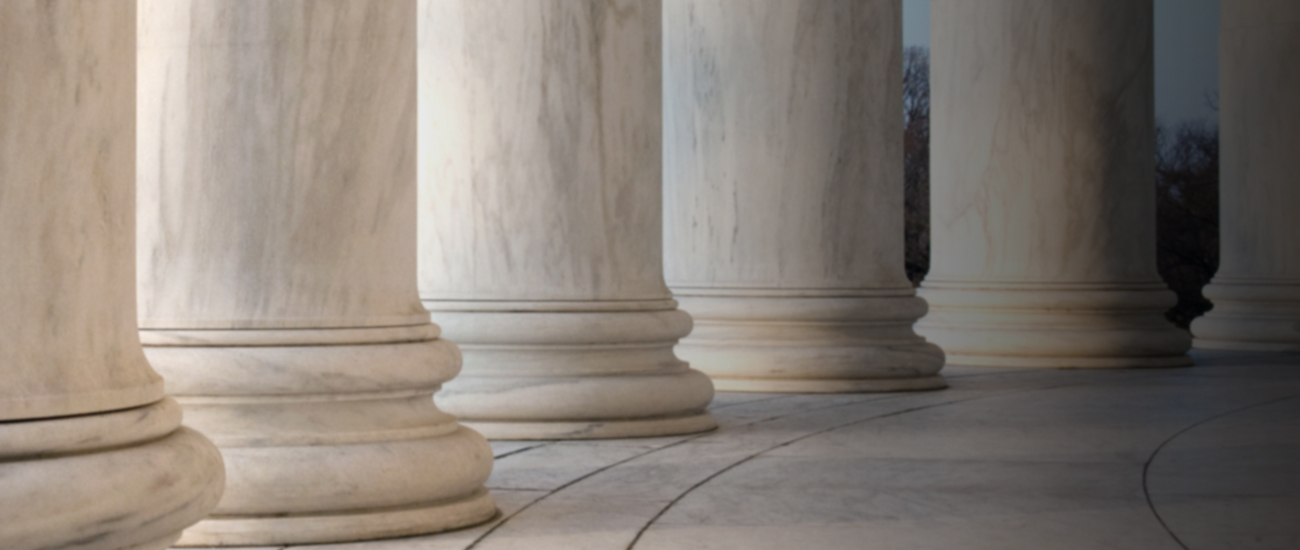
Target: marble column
{"x":540,"y":219}
{"x":1256,"y":292}
{"x":1042,"y":193}
{"x":92,"y":455}
{"x":277,"y":269}
{"x":783,"y":212}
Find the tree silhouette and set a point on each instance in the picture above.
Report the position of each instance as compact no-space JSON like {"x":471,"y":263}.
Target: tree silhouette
{"x":916,"y":162}
{"x":1187,"y":214}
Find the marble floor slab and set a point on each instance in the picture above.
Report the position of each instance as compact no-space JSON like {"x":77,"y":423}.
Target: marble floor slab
{"x":1193,"y":458}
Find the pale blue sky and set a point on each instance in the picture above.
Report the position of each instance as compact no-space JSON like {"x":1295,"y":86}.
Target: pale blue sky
{"x":1187,"y":59}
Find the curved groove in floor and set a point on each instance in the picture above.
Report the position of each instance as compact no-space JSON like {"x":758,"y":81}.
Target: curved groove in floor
{"x":1229,"y":481}
{"x":1007,"y":459}
{"x":1067,"y":459}
{"x":485,"y":536}
{"x":733,"y":465}
{"x":746,"y":459}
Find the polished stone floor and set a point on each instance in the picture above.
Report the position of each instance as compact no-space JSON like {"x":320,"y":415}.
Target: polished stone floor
{"x":1206,"y":457}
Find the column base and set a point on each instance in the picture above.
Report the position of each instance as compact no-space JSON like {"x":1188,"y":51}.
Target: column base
{"x":1001,"y":361}
{"x":159,"y":544}
{"x":829,"y":386}
{"x":130,"y":479}
{"x":601,"y":429}
{"x":1250,"y":316}
{"x":327,"y":443}
{"x":350,"y":526}
{"x":1054,"y":326}
{"x":793,"y":341}
{"x":573,"y":370}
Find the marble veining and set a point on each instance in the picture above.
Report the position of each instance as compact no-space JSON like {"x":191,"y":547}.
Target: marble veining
{"x":67,"y":328}
{"x":539,"y":223}
{"x":1042,"y":142}
{"x":307,"y":207}
{"x":782,"y":157}
{"x":783,"y":233}
{"x":540,"y":150}
{"x":278,"y":269}
{"x":92,"y":456}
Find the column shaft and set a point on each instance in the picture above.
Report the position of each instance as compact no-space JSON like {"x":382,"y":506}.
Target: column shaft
{"x":1043,"y":206}
{"x":91,"y":453}
{"x":277,"y":269}
{"x":540,"y":219}
{"x":1256,"y":292}
{"x":784,"y":203}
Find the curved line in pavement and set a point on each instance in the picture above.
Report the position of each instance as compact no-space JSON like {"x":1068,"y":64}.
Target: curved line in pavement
{"x":1146,"y":468}
{"x":721,"y":471}
{"x":566,"y":485}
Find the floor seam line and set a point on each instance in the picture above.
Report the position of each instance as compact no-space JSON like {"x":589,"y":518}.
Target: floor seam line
{"x":714,"y":475}
{"x":655,"y":450}
{"x":1146,"y":468}
{"x":517,"y":451}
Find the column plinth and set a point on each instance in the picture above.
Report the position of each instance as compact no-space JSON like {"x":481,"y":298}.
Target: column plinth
{"x":1043,"y":207}
{"x":1256,"y":292}
{"x":91,"y":453}
{"x":784,"y":197}
{"x":810,"y":342}
{"x":540,"y":220}
{"x":277,"y":270}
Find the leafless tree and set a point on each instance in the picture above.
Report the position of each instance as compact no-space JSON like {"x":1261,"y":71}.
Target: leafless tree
{"x":916,"y":162}
{"x":1187,"y":214}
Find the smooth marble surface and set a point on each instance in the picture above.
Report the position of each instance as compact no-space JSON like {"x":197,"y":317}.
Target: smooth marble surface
{"x":540,"y":221}
{"x":66,"y":326}
{"x":278,"y":273}
{"x":1231,"y":481}
{"x":1042,"y":238}
{"x":1256,"y":291}
{"x":92,"y":456}
{"x":1005,"y":459}
{"x":783,"y":217}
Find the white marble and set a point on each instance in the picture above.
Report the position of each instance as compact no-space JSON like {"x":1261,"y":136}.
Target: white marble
{"x":1005,"y":459}
{"x":277,"y":269}
{"x":1256,"y":292}
{"x":1042,"y":206}
{"x":783,"y":206}
{"x":539,"y":223}
{"x":92,"y":456}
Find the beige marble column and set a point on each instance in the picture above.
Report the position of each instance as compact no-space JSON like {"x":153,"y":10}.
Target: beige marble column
{"x":540,"y":219}
{"x":783,"y":210}
{"x":92,"y":456}
{"x":1042,"y":194}
{"x":1256,"y":292}
{"x":277,"y":269}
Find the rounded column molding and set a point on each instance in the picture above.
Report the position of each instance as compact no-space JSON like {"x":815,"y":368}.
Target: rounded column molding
{"x":277,"y":270}
{"x":784,"y":207}
{"x":540,"y":219}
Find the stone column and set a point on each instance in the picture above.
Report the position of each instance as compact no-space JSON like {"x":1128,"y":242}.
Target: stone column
{"x":540,"y":219}
{"x":91,"y":453}
{"x":1256,"y":292}
{"x":277,"y":269}
{"x":1042,"y":193}
{"x":783,"y":208}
